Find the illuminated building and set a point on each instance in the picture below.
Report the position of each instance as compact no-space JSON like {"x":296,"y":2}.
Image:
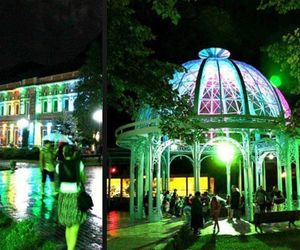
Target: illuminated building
{"x":233,"y":104}
{"x":35,"y":104}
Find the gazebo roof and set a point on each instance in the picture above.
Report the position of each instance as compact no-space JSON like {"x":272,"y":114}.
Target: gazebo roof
{"x":218,"y":85}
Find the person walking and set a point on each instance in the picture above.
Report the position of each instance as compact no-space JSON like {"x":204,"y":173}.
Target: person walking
{"x":215,"y":212}
{"x":71,"y":174}
{"x":235,"y":203}
{"x":196,"y":212}
{"x":47,"y":165}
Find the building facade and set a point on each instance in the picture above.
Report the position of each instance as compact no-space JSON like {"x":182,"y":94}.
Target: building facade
{"x":35,"y":105}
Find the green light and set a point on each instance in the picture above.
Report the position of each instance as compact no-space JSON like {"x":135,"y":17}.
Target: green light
{"x":275,"y":80}
{"x":225,"y":151}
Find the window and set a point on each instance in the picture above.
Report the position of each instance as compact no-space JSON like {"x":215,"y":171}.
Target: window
{"x":66,"y":104}
{"x":2,"y":110}
{"x":17,"y":109}
{"x":55,"y":106}
{"x":26,"y":105}
{"x":45,"y":107}
{"x":9,"y":109}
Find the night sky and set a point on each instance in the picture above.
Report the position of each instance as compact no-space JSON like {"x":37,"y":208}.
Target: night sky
{"x":46,"y":37}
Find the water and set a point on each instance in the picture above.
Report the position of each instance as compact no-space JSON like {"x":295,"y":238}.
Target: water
{"x":21,"y":197}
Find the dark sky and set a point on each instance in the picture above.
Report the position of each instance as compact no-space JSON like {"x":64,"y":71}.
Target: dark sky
{"x":234,"y":25}
{"x":40,"y":37}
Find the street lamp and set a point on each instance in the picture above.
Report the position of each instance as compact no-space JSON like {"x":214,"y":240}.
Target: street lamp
{"x":226,"y":152}
{"x":22,"y":123}
{"x":97,"y":115}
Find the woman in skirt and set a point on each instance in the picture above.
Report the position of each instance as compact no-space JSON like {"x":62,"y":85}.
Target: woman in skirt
{"x":70,"y":171}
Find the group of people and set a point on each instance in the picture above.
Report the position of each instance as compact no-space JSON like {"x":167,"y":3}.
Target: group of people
{"x":199,"y":209}
{"x":66,"y":164}
{"x":268,"y":201}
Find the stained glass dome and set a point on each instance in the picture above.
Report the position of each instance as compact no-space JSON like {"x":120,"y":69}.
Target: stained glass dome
{"x":220,"y":85}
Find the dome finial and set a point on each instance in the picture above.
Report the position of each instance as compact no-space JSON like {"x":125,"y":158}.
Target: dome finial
{"x":214,"y":52}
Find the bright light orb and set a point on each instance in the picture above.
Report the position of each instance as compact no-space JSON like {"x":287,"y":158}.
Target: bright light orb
{"x":275,"y":80}
{"x":22,"y":123}
{"x":174,"y":147}
{"x":225,"y":151}
{"x":271,"y":156}
{"x":97,"y":116}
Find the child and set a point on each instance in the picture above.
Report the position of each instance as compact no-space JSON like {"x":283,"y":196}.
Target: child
{"x":215,"y":210}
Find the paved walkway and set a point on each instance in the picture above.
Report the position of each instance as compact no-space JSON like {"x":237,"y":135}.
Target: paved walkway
{"x":142,"y":235}
{"x":122,"y":234}
{"x":21,"y":198}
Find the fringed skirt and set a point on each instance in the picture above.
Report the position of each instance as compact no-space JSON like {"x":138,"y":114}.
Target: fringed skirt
{"x":68,"y":212}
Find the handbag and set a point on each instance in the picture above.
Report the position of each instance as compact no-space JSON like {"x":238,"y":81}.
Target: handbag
{"x":84,"y":200}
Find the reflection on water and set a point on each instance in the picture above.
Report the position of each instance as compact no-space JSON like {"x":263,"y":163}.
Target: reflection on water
{"x":21,"y":193}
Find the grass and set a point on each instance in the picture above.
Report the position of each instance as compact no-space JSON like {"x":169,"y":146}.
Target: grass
{"x":21,"y":235}
{"x":280,"y":241}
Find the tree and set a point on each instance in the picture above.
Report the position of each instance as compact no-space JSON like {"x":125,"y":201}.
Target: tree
{"x":135,"y":78}
{"x":89,"y":90}
{"x":286,"y":52}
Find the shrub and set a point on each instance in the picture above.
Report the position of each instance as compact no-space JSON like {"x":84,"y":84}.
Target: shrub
{"x":5,"y":221}
{"x":19,"y":153}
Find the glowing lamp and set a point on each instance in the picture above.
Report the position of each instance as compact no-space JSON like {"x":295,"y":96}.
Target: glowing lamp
{"x":22,"y":123}
{"x":225,"y":151}
{"x":275,"y":80}
{"x":271,"y":156}
{"x":97,"y":116}
{"x":174,"y":147}
{"x":113,"y":170}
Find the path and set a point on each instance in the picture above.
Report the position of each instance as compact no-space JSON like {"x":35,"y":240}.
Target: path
{"x":21,"y":198}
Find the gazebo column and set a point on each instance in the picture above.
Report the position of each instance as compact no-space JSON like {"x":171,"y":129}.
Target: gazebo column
{"x":296,"y":148}
{"x":279,"y":172}
{"x":131,"y":185}
{"x":168,"y":168}
{"x":257,"y":173}
{"x":158,"y":211}
{"x":150,"y":187}
{"x":228,"y":182}
{"x":249,"y":167}
{"x":246,"y":189}
{"x":140,"y":186}
{"x":240,"y":175}
{"x":196,"y":167}
{"x":250,"y":183}
{"x":288,"y":178}
{"x":264,"y":179}
{"x":163,"y":176}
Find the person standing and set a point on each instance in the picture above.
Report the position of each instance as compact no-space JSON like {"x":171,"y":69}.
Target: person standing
{"x":278,"y":200}
{"x":235,"y":203}
{"x":196,"y":212}
{"x":71,"y":174}
{"x":47,"y":165}
{"x":260,"y":199}
{"x":215,"y":212}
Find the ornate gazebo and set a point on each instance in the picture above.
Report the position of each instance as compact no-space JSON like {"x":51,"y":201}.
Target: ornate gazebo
{"x":233,"y":103}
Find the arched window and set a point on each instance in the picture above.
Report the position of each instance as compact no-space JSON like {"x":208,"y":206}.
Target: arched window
{"x":45,"y":106}
{"x":17,"y":109}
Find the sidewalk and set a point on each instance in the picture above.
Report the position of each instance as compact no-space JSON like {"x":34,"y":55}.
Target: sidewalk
{"x":142,"y":235}
{"x":21,"y":198}
{"x":121,"y":234}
